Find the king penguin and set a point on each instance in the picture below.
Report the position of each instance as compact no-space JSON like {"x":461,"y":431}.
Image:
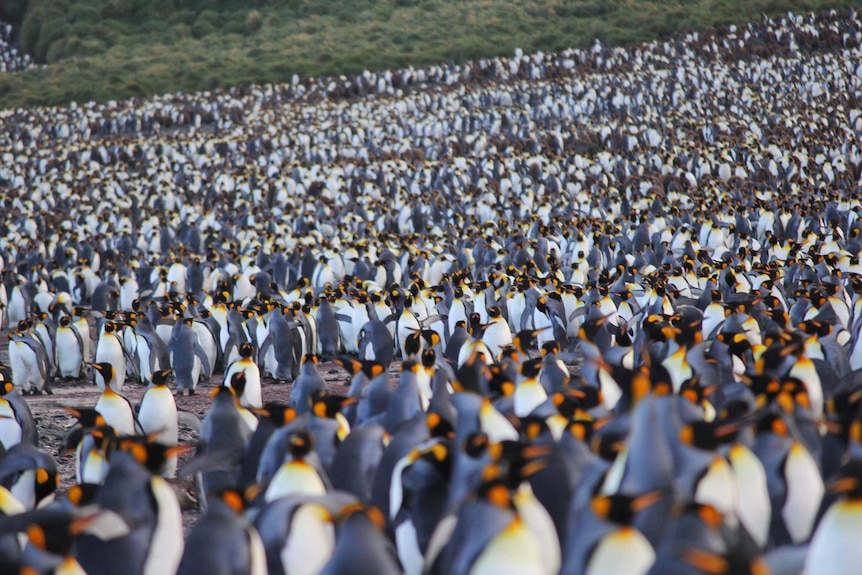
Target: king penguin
{"x":114,"y":408}
{"x":223,"y":542}
{"x":251,"y":395}
{"x":68,"y":349}
{"x":109,"y":350}
{"x":158,"y":415}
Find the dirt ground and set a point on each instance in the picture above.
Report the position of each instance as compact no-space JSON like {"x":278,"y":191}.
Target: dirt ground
{"x":53,"y":422}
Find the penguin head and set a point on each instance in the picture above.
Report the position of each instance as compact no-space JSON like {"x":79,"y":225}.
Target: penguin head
{"x":848,"y":482}
{"x":279,"y":414}
{"x":494,"y":488}
{"x":87,"y":416}
{"x":161,"y":377}
{"x":323,"y":404}
{"x":621,"y":508}
{"x":149,"y":453}
{"x":105,"y":369}
{"x":429,"y":358}
{"x":438,"y":426}
{"x":237,"y":383}
{"x":709,"y":434}
{"x":47,"y":481}
{"x":550,"y":347}
{"x":309,"y":358}
{"x":245,"y":350}
{"x":532,"y":368}
{"x":109,"y":327}
{"x":82,"y":494}
{"x":372,"y":369}
{"x":66,"y":321}
{"x":300,"y":444}
{"x":525,"y":340}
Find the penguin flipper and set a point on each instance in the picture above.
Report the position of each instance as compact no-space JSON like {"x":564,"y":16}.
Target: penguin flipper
{"x":432,"y":319}
{"x":578,"y":312}
{"x":264,"y":347}
{"x":205,"y":362}
{"x":217,"y":460}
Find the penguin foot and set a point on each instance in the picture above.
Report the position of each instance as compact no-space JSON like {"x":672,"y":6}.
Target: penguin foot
{"x":191,"y":392}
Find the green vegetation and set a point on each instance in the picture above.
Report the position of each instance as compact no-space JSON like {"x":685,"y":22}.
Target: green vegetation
{"x":110,"y":49}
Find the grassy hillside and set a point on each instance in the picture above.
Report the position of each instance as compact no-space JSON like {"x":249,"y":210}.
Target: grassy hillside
{"x":109,"y":49}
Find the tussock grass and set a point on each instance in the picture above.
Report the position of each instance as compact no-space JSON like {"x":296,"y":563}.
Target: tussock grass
{"x":111,"y":49}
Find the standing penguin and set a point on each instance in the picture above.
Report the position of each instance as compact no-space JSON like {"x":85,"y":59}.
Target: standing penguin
{"x":361,"y":548}
{"x":158,"y":415}
{"x":223,"y":542}
{"x":16,"y":420}
{"x":328,"y":334}
{"x":834,"y":548}
{"x":152,"y":543}
{"x":28,"y":362}
{"x":223,"y":437}
{"x":308,"y":382}
{"x":251,"y":394}
{"x":109,"y":349}
{"x":116,"y":410}
{"x":68,"y":349}
{"x":188,"y":359}
{"x":285,"y":345}
{"x":375,"y":343}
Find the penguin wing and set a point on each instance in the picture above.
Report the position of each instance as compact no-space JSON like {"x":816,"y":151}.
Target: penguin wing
{"x":477,"y":525}
{"x":265,"y":345}
{"x":578,"y":312}
{"x":205,"y":362}
{"x":21,"y":409}
{"x":41,"y":357}
{"x":432,"y":319}
{"x":216,"y":460}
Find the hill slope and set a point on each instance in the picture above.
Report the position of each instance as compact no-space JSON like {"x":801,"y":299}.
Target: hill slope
{"x":108,"y":49}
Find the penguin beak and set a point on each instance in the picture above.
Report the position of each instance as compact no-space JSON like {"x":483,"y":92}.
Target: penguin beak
{"x":843,"y":485}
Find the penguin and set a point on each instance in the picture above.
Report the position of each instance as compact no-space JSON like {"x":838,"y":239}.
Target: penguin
{"x":188,"y":359}
{"x":222,"y":440}
{"x":419,"y":482}
{"x":152,"y":541}
{"x":109,"y":349}
{"x":356,"y":461}
{"x":251,"y":394}
{"x":28,"y":362}
{"x":299,"y":474}
{"x":496,"y":335}
{"x":157,"y":415}
{"x":834,"y":547}
{"x":529,"y":392}
{"x":375,"y":343}
{"x":30,"y":474}
{"x":298,"y":533}
{"x":793,"y":479}
{"x":16,"y":420}
{"x":329,"y":335}
{"x":68,"y":350}
{"x":223,"y":542}
{"x":88,"y":439}
{"x":150,"y":352}
{"x":361,"y":548}
{"x":490,"y":535}
{"x":308,"y":382}
{"x":286,"y":347}
{"x":116,"y":410}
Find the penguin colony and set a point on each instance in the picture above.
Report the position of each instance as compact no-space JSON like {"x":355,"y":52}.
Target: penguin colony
{"x":11,"y":59}
{"x":680,"y":219}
